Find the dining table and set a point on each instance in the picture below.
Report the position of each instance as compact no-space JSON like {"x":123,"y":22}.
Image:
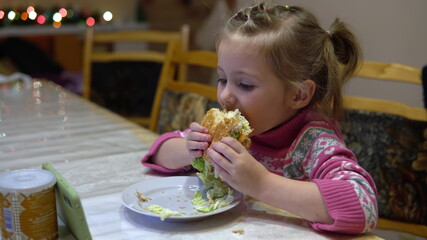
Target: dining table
{"x":99,"y":153}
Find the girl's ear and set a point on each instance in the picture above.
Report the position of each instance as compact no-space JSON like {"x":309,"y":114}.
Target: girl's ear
{"x":303,"y":94}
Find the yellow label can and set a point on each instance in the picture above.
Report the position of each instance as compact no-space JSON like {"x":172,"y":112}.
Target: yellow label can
{"x":27,"y":205}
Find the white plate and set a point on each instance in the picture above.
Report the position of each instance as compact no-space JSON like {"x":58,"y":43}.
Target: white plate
{"x":174,"y":193}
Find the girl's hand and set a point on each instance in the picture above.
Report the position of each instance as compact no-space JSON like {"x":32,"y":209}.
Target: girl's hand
{"x":236,"y":166}
{"x":197,"y":140}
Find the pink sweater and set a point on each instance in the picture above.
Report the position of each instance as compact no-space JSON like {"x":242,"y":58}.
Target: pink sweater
{"x":310,"y":148}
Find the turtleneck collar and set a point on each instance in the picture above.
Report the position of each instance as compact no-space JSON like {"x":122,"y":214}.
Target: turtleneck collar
{"x":283,"y":135}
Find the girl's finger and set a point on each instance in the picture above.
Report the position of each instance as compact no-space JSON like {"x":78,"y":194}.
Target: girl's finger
{"x":233,"y":143}
{"x":219,"y":159}
{"x":221,"y":172}
{"x":225,"y":150}
{"x":192,"y":145}
{"x":200,"y":137}
{"x":194,"y":126}
{"x":195,"y":153}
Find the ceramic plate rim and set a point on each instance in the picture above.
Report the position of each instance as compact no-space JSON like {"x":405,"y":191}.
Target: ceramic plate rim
{"x":189,"y":182}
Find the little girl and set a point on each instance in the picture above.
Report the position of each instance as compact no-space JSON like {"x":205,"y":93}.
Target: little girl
{"x":284,"y":73}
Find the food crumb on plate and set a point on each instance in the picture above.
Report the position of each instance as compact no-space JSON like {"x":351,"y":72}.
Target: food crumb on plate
{"x":141,"y":197}
{"x":239,"y":231}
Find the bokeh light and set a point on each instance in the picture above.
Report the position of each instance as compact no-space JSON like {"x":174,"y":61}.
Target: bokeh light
{"x":57,"y":17}
{"x":11,"y":15}
{"x":90,"y":21}
{"x":70,"y":13}
{"x":30,"y":9}
{"x":41,"y":19}
{"x":63,"y":12}
{"x":108,"y":16}
{"x":24,"y":16}
{"x":56,"y":24}
{"x":32,"y":15}
{"x":28,"y":15}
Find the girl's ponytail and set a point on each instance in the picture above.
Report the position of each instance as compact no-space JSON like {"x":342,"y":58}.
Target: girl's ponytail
{"x":346,"y":48}
{"x":341,"y":58}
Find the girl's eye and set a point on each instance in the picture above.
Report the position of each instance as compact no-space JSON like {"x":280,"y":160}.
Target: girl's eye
{"x":222,"y":81}
{"x":246,"y":87}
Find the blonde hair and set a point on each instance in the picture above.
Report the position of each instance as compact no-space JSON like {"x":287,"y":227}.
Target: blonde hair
{"x":297,"y":48}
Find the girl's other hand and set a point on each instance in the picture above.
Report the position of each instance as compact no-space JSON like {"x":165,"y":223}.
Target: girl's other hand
{"x":197,"y":140}
{"x":236,"y":166}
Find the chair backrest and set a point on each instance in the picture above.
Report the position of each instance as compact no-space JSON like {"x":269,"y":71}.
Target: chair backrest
{"x":389,"y":139}
{"x":187,"y":100}
{"x":387,"y":72}
{"x":141,"y":54}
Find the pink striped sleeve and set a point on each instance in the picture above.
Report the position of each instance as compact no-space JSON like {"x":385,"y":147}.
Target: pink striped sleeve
{"x":146,"y":160}
{"x":343,"y":205}
{"x":348,"y":191}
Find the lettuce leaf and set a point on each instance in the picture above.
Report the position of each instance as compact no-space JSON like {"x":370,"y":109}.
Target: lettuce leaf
{"x":198,"y":164}
{"x":162,"y":212}
{"x":204,"y":206}
{"x":217,"y":192}
{"x":200,"y":204}
{"x":235,"y":135}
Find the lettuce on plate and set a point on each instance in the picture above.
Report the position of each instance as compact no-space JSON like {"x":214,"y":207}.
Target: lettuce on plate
{"x":204,"y":206}
{"x":218,"y":194}
{"x":163,"y":212}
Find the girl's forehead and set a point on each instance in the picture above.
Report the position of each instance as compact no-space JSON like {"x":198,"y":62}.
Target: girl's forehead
{"x":233,"y":54}
{"x":241,"y":41}
{"x":240,"y":46}
{"x":237,"y":60}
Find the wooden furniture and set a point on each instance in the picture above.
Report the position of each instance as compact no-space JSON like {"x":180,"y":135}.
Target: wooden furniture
{"x":387,"y":72}
{"x":92,"y":38}
{"x":169,"y":82}
{"x":64,"y":44}
{"x":390,"y":141}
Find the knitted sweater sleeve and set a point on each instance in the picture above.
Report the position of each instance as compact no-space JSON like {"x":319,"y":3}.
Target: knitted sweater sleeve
{"x":147,"y":159}
{"x":347,"y":189}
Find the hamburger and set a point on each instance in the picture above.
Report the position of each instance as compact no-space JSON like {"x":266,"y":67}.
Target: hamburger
{"x":220,"y":123}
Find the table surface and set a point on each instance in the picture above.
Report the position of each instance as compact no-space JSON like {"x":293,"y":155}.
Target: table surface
{"x":99,"y":153}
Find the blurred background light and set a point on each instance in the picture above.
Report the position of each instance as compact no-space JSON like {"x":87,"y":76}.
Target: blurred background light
{"x":108,"y":16}
{"x":57,"y":17}
{"x":32,"y":15}
{"x":11,"y":15}
{"x":63,"y":12}
{"x":56,"y":24}
{"x":41,"y":19}
{"x":24,"y":16}
{"x":30,"y":9}
{"x":90,"y":21}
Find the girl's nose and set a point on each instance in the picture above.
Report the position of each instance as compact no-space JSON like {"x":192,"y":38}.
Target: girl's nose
{"x":226,"y":97}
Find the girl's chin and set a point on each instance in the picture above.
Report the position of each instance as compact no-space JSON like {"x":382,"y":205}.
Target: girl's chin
{"x":256,"y":131}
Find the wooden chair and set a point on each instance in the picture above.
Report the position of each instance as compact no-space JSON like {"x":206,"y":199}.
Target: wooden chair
{"x":387,"y":72}
{"x":91,"y":55}
{"x":390,"y":141}
{"x":186,"y":101}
